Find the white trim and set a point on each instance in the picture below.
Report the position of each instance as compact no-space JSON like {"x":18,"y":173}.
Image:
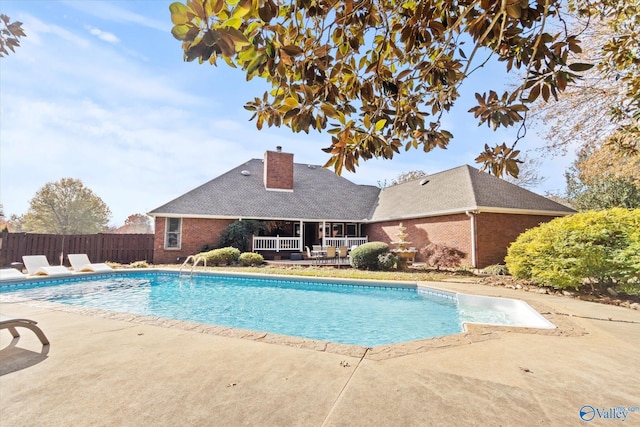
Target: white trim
{"x":236,"y":217}
{"x":166,"y":232}
{"x":284,"y":190}
{"x":476,"y":209}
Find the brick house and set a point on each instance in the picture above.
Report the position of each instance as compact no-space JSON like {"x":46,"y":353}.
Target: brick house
{"x":476,"y":213}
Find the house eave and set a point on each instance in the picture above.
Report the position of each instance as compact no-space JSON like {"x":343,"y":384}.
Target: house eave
{"x":516,"y":211}
{"x":424,"y":215}
{"x":473,"y":209}
{"x":240,"y":217}
{"x":457,"y":211}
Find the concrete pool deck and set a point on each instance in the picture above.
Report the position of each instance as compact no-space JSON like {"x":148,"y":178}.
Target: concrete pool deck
{"x":106,"y":371}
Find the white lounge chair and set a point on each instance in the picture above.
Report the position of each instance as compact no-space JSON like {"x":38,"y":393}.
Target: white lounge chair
{"x":80,"y":262}
{"x":38,"y":265}
{"x":11,"y":274}
{"x":12,"y":324}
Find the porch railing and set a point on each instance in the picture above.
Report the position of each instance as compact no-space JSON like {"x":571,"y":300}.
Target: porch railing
{"x":277,"y":243}
{"x":345,"y":241}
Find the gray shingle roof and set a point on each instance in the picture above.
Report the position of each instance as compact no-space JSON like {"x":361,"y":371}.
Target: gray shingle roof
{"x":457,"y":190}
{"x":319,"y":194}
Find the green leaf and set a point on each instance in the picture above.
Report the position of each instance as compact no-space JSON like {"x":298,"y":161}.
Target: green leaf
{"x":380,"y":124}
{"x":180,"y":32}
{"x":179,"y":13}
{"x":232,"y":23}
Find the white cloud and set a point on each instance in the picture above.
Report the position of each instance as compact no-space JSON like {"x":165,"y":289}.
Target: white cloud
{"x":103,"y":35}
{"x":111,"y":12}
{"x":38,"y":32}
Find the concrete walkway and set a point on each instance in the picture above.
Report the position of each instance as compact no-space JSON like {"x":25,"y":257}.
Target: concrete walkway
{"x":101,"y":371}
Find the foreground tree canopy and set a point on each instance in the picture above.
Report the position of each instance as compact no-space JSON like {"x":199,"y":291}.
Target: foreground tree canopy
{"x":380,"y":74}
{"x":10,"y":33}
{"x":65,"y":207}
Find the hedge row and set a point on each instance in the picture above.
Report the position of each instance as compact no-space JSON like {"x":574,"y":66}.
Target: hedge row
{"x":591,"y":248}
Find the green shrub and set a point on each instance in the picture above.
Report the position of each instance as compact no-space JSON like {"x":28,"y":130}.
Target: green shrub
{"x":248,"y":259}
{"x":595,"y":247}
{"x":365,"y":257}
{"x":387,"y":261}
{"x":222,"y":256}
{"x":238,"y":233}
{"x":139,"y":264}
{"x":496,"y":269}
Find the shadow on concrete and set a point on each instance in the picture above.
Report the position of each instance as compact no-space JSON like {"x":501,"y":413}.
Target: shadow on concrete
{"x":14,"y":358}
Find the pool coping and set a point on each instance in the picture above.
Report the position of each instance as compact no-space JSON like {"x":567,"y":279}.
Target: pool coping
{"x":472,"y":333}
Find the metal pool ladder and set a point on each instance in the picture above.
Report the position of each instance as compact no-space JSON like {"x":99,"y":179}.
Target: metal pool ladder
{"x":195,"y":260}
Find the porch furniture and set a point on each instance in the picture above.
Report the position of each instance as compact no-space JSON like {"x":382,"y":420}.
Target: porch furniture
{"x":330,"y":253}
{"x":12,"y":324}
{"x":312,"y":255}
{"x":343,"y":252}
{"x":80,"y":262}
{"x":38,"y":265}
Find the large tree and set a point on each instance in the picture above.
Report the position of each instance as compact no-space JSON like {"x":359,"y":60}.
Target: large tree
{"x":380,"y":74}
{"x":136,"y":223}
{"x":599,"y":113}
{"x":529,"y":175}
{"x":66,"y":207}
{"x":589,"y":189}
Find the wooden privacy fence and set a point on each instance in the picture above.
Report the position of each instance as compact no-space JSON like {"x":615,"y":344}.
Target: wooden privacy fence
{"x":120,"y":248}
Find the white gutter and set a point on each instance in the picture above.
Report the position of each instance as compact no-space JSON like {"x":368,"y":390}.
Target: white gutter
{"x":234,"y":217}
{"x":475,"y":209}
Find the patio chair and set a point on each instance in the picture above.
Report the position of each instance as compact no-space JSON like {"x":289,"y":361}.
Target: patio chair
{"x":331,"y":253}
{"x":342,"y":253}
{"x":312,"y":256}
{"x":12,"y":324}
{"x":38,"y":265}
{"x":11,"y":274}
{"x":80,"y":262}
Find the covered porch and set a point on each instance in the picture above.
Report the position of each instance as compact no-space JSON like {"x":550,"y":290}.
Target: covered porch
{"x":293,"y":236}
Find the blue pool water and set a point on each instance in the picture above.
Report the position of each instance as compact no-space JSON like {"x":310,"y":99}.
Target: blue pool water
{"x":344,"y":313}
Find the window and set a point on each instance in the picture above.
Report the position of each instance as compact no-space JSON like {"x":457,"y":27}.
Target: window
{"x":338,"y":230}
{"x":352,"y":230}
{"x":173,"y":231}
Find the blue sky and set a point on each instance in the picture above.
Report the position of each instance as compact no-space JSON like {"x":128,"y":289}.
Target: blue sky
{"x":98,"y":91}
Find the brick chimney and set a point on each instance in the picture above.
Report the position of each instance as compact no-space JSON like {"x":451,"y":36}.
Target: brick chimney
{"x":278,"y":170}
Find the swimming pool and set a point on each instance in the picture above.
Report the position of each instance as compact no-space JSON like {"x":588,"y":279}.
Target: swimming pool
{"x":348,"y":312}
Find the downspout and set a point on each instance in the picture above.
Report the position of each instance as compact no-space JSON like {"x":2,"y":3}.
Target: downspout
{"x":472,"y":217}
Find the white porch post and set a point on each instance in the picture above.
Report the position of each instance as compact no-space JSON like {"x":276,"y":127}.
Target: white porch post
{"x":324,"y":229}
{"x":301,"y":236}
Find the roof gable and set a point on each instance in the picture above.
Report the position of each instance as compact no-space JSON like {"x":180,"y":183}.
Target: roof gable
{"x":458,"y":190}
{"x":318,"y":194}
